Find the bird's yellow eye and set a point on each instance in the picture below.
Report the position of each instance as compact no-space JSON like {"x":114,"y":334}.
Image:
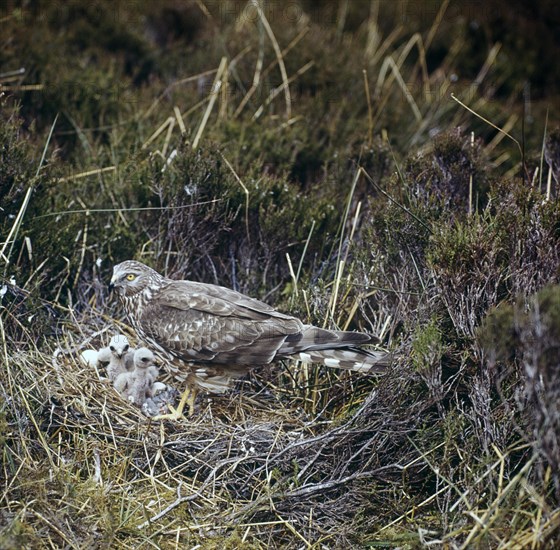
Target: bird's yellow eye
{"x":130,"y":277}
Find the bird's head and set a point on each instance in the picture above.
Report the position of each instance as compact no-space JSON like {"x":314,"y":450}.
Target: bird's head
{"x":131,"y":277}
{"x":119,"y":346}
{"x":143,"y":358}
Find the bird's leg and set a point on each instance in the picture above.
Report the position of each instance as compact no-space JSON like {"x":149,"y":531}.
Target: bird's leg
{"x":189,"y":396}
{"x":193,"y":392}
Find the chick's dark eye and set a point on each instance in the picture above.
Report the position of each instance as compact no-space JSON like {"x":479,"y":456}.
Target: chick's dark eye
{"x":112,"y":348}
{"x":126,"y":348}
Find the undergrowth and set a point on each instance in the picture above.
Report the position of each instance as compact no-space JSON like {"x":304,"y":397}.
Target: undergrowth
{"x":361,"y":165}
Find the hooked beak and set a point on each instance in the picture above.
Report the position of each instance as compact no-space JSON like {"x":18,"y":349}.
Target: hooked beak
{"x":112,"y":284}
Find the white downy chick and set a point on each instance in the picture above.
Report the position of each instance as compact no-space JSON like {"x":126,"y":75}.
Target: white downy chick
{"x":137,"y":385}
{"x":120,"y":355}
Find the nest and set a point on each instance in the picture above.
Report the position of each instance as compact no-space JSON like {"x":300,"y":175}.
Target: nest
{"x":252,"y":463}
{"x":289,"y":458}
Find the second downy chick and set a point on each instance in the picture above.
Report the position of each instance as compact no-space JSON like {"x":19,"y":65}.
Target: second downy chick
{"x":137,"y":385}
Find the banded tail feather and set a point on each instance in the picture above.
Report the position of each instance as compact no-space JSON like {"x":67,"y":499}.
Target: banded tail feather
{"x":336,"y":349}
{"x":348,"y":359}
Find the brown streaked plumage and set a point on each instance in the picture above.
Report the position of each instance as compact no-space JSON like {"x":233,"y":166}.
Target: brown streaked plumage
{"x":212,"y":334}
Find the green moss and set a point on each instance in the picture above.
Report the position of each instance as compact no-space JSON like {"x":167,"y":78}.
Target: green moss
{"x":510,"y":330}
{"x":18,"y":534}
{"x":497,"y":333}
{"x":428,"y":347}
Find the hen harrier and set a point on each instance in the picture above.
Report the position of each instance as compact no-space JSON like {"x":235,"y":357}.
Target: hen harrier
{"x":211,"y":334}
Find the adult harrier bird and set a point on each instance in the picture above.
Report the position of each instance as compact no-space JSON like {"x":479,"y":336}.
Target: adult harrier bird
{"x":211,"y":334}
